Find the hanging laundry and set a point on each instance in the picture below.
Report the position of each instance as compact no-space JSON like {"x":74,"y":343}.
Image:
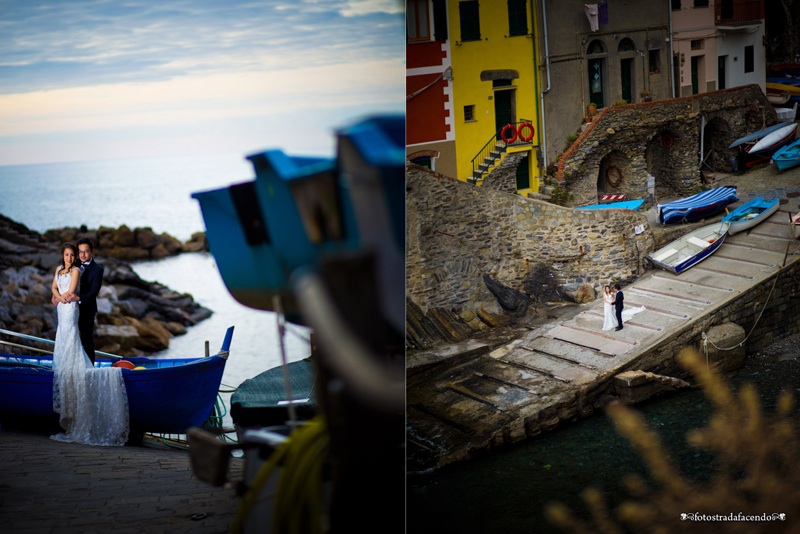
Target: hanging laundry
{"x":602,"y":12}
{"x":591,"y":14}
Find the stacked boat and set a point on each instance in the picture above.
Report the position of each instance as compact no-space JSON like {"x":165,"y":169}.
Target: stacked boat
{"x":759,"y":146}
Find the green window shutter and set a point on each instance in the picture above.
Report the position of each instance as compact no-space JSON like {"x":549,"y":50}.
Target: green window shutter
{"x":517,"y":17}
{"x":470,"y":21}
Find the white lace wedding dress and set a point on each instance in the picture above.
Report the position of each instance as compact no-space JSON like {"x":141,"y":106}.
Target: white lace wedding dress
{"x":92,"y":403}
{"x":609,"y":319}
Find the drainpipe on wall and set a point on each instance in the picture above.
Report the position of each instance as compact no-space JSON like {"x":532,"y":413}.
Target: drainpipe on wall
{"x":543,"y":129}
{"x":671,"y":59}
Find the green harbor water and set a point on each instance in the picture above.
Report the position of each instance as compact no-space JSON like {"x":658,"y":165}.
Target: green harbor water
{"x":507,"y":491}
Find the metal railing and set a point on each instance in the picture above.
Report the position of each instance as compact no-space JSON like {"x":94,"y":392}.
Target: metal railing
{"x":518,"y":133}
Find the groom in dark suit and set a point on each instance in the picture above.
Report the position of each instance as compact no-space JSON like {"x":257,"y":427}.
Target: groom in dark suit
{"x":91,"y":280}
{"x":619,"y":298}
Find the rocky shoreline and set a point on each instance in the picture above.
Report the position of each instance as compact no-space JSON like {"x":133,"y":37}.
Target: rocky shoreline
{"x":135,"y":317}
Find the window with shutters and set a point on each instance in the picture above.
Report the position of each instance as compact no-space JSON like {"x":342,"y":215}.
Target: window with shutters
{"x":517,"y":17}
{"x":470,"y":20}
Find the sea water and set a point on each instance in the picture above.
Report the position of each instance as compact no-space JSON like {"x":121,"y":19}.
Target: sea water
{"x":156,"y":193}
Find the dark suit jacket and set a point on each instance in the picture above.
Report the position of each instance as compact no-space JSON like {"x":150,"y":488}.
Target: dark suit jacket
{"x":91,"y":280}
{"x":619,"y":298}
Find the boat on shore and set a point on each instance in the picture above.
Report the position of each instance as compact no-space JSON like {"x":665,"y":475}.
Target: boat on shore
{"x":165,"y":396}
{"x":759,"y":146}
{"x":632,"y":205}
{"x":697,"y":207}
{"x":690,"y":249}
{"x":788,"y":156}
{"x":750,"y":214}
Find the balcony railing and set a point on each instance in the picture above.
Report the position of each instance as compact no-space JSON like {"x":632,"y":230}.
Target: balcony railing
{"x":737,"y":12}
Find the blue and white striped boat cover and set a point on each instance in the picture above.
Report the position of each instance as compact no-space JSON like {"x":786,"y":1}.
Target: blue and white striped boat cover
{"x":697,"y":206}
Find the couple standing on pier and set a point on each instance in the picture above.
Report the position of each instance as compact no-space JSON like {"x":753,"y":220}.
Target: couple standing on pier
{"x":613,"y":305}
{"x":91,"y":402}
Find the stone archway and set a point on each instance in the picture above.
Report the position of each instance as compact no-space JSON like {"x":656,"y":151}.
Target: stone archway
{"x":614,"y":167}
{"x":716,"y":138}
{"x":660,"y":160}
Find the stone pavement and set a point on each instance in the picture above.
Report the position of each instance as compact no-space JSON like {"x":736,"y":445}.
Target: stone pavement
{"x":48,"y":486}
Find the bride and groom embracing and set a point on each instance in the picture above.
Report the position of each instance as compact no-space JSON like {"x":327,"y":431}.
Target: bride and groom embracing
{"x":613,"y":306}
{"x":91,"y":402}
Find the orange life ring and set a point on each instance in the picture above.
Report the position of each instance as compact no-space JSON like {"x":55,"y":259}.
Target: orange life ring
{"x":667,"y":140}
{"x":508,"y":128}
{"x":525,"y":138}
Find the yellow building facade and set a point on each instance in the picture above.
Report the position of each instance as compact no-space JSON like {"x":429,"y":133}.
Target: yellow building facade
{"x":495,"y":87}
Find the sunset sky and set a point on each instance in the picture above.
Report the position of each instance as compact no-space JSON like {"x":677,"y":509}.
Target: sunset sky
{"x":93,"y":80}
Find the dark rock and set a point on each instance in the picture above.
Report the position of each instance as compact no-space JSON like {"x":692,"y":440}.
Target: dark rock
{"x":509,"y":299}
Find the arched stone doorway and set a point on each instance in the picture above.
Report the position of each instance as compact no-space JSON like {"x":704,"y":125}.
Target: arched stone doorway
{"x":661,"y":156}
{"x":716,"y":139}
{"x":613,"y":169}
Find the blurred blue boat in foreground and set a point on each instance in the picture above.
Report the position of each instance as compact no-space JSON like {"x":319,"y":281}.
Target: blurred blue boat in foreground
{"x":299,"y":211}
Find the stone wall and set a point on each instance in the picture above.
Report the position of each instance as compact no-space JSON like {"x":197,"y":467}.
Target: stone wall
{"x":625,"y":144}
{"x":456,"y":233}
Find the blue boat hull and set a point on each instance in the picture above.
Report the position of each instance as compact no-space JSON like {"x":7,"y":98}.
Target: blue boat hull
{"x":683,"y":253}
{"x":691,"y":262}
{"x":632,"y":205}
{"x":697,"y":207}
{"x":169,"y":396}
{"x":788,"y":156}
{"x":750,"y":214}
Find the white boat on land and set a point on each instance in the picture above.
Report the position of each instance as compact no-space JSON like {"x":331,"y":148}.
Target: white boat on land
{"x":690,"y":249}
{"x":750,"y":214}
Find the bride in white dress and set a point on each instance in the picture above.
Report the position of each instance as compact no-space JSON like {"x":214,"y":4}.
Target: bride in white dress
{"x":609,"y":313}
{"x":609,"y":319}
{"x":92,"y":403}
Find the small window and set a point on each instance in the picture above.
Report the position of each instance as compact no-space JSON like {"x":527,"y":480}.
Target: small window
{"x":469,"y":113}
{"x":470,"y":20}
{"x":676,"y":5}
{"x":749,"y":58}
{"x":501,"y":83}
{"x":700,"y":3}
{"x":596,"y":47}
{"x":517,"y":17}
{"x":417,"y":21}
{"x":626,"y":45}
{"x":424,"y":161}
{"x":654,"y":58}
{"x":696,"y":44}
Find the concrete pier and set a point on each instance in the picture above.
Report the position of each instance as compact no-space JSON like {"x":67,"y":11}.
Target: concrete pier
{"x":564,"y":370}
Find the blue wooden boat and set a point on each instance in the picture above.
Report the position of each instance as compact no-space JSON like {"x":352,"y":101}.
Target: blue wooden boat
{"x":750,"y":214}
{"x":167,"y":396}
{"x":632,"y":205}
{"x":690,"y":249}
{"x":788,"y":156}
{"x":697,"y":207}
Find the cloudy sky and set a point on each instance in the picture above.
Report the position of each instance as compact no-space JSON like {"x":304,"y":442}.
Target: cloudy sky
{"x":108,"y":79}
